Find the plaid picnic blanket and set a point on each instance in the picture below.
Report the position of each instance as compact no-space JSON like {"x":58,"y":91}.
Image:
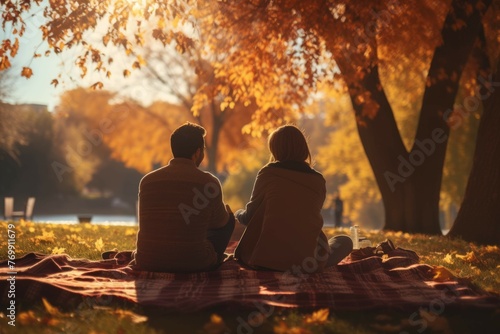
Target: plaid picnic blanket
{"x":396,"y":282}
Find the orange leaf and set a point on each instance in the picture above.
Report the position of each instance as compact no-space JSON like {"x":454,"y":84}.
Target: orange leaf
{"x":441,"y":274}
{"x":49,"y":308}
{"x":27,"y":318}
{"x":26,"y":72}
{"x":97,"y":85}
{"x":15,"y":48}
{"x":318,"y":317}
{"x":4,"y":63}
{"x":126,"y":73}
{"x":54,"y":82}
{"x":468,"y":257}
{"x":215,"y":326}
{"x":126,"y":314}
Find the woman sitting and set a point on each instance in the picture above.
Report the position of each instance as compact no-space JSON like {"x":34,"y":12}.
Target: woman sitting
{"x":283,"y":217}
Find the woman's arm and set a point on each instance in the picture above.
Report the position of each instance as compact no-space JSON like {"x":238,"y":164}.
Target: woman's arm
{"x":245,"y":215}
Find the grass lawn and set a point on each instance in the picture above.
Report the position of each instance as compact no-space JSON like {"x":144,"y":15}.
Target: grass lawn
{"x":480,"y":264}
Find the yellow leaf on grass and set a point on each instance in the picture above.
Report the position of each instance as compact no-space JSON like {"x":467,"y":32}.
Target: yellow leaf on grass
{"x":99,"y":244}
{"x":50,"y":321}
{"x":58,"y":250}
{"x":216,"y":325}
{"x":318,"y":317}
{"x":476,"y":270}
{"x":283,"y":328}
{"x":130,"y":231}
{"x":134,"y":317}
{"x":216,"y":319}
{"x":492,"y":249}
{"x":52,"y":310}
{"x":441,"y":274}
{"x":46,"y":237}
{"x":468,"y":257}
{"x":448,"y":258}
{"x":27,"y":318}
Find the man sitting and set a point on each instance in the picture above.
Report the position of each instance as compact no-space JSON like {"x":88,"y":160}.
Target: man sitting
{"x":184,"y":225}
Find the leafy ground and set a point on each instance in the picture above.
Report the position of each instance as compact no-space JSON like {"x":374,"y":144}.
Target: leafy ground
{"x":480,"y":264}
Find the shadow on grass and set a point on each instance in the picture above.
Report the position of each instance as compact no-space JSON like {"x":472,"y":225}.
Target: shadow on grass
{"x":123,"y":317}
{"x":297,"y":321}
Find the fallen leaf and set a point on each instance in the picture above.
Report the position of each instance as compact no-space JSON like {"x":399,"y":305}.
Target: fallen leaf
{"x":99,"y":245}
{"x":281,"y":328}
{"x":216,"y":325}
{"x":50,"y":321}
{"x":134,"y":317}
{"x":441,"y":274}
{"x":48,"y":237}
{"x":468,"y":257}
{"x":27,"y":318}
{"x":492,"y":249}
{"x":318,"y":317}
{"x":50,"y":309}
{"x":58,"y":250}
{"x":448,"y":258}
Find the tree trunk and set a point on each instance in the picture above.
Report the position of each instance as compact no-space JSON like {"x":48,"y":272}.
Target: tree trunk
{"x":213,"y":146}
{"x":410,"y":182}
{"x":409,"y":204}
{"x":382,"y":143}
{"x":478,"y":219}
{"x":432,"y":133}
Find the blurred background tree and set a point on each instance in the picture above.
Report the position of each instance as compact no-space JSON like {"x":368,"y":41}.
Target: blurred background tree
{"x":12,"y":126}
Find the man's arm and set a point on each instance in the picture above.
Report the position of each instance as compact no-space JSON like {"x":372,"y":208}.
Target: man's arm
{"x":221,"y":212}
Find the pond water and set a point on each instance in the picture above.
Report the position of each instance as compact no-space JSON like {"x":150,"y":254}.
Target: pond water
{"x":124,"y":220}
{"x":127,"y":220}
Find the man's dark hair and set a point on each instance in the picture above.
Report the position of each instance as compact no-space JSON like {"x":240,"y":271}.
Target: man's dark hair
{"x":186,"y":139}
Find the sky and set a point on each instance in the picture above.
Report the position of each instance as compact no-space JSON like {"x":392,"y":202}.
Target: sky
{"x":38,"y":88}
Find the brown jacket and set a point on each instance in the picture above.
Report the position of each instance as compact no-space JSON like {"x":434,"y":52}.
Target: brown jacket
{"x":283,"y":219}
{"x":178,"y":203}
